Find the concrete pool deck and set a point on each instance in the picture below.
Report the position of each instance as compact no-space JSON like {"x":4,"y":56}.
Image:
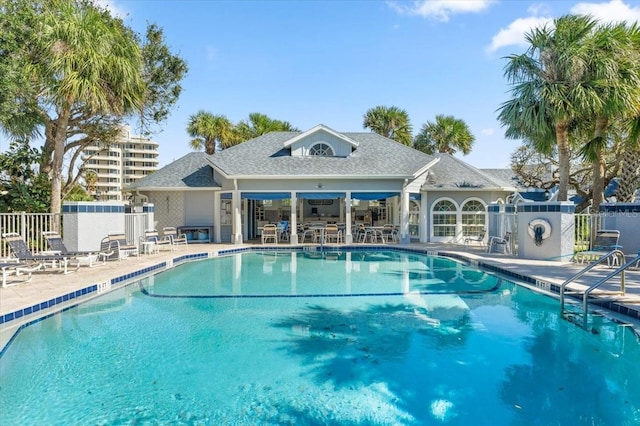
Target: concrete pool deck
{"x":21,"y":302}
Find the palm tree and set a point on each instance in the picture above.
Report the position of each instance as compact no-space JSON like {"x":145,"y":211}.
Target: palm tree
{"x":550,"y":89}
{"x":391,"y":122}
{"x":79,"y":59}
{"x":259,"y":124}
{"x":615,"y":73}
{"x":629,"y":182}
{"x":209,"y":131}
{"x":447,"y":135}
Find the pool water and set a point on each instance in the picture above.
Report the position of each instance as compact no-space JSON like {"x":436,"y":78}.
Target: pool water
{"x":381,"y":338}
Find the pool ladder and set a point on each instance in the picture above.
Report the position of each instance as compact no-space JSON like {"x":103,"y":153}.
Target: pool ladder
{"x":586,"y":293}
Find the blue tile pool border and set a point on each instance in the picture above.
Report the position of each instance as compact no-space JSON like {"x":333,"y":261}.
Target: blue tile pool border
{"x":126,"y":278}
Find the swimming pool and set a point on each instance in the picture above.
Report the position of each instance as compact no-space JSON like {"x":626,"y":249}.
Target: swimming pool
{"x":320,"y":338}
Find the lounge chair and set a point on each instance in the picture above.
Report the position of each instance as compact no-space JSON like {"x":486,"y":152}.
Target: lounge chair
{"x":270,"y":233}
{"x":119,"y":246}
{"x":172,"y":234}
{"x":606,"y":241}
{"x":21,"y":251}
{"x":476,"y":238}
{"x":500,"y":244}
{"x":152,"y":242}
{"x":88,"y":258}
{"x":18,"y":269}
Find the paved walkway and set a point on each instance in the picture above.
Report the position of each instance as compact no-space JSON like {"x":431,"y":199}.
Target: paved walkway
{"x":50,"y":285}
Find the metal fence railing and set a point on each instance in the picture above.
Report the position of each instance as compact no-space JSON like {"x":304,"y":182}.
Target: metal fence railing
{"x":586,"y":226}
{"x":30,"y":226}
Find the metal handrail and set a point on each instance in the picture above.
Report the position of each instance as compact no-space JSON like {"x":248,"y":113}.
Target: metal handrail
{"x":620,"y":270}
{"x":589,"y":267}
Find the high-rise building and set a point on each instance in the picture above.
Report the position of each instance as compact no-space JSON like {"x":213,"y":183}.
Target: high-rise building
{"x":120,"y":163}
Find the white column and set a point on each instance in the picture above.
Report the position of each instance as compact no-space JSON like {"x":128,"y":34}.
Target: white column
{"x":293,"y":219}
{"x":301,"y":210}
{"x":424,"y":219}
{"x":404,"y":217}
{"x":217,"y":220}
{"x":236,"y":220}
{"x":348,"y":237}
{"x":245,"y":224}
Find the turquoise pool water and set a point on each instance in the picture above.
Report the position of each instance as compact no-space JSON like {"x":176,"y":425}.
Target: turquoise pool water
{"x":381,"y":338}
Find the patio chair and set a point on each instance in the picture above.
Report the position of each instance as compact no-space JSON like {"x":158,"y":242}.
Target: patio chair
{"x":332,"y":233}
{"x":21,"y":251}
{"x":309,"y":232}
{"x":283,"y":230}
{"x":119,"y":246}
{"x":500,"y":244}
{"x":606,"y":240}
{"x":390,"y":233}
{"x":270,"y":233}
{"x":176,"y":238}
{"x":152,"y":242}
{"x":18,"y":269}
{"x":476,"y":238}
{"x":88,"y":258}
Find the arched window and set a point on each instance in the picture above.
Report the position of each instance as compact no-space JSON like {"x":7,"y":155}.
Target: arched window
{"x":321,"y":149}
{"x":474,"y":218}
{"x":444,"y":219}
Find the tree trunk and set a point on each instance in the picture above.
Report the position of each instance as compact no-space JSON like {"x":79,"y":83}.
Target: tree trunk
{"x":599,"y":166}
{"x":59,"y":134}
{"x":629,"y":175}
{"x":564,"y":159}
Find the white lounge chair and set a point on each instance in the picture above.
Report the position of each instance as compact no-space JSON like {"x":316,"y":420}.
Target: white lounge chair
{"x":175,"y":237}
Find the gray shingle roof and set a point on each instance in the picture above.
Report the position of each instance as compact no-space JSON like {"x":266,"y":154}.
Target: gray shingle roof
{"x":191,"y":171}
{"x":504,"y":175}
{"x":375,"y":156}
{"x":452,"y":173}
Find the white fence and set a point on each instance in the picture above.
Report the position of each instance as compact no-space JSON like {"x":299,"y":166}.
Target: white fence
{"x":30,"y":226}
{"x":586,"y":227}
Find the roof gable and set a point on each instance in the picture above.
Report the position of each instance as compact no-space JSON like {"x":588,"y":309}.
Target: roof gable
{"x":319,"y":129}
{"x":451,"y":173}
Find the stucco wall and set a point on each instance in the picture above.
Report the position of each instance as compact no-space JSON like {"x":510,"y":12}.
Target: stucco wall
{"x":169,"y":208}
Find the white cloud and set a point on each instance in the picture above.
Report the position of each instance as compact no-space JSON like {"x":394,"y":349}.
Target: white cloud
{"x":440,"y":10}
{"x":514,"y":33}
{"x":613,"y":11}
{"x":487,"y":132}
{"x":111,"y":6}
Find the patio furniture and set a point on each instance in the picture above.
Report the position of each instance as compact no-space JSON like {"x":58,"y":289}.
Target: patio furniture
{"x":310,"y":233}
{"x":88,"y":258}
{"x":21,"y":251}
{"x":476,"y":238}
{"x":151,"y":242}
{"x":172,"y":234}
{"x":283,"y":230}
{"x":270,"y":233}
{"x":606,"y":240}
{"x":390,"y":233}
{"x":500,"y":244}
{"x":119,"y":246}
{"x":18,"y":269}
{"x":332,"y":233}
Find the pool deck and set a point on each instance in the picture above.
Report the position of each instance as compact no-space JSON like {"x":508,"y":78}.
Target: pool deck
{"x":19,"y":299}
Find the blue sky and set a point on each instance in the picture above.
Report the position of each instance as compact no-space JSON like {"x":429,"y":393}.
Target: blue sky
{"x":312,"y":62}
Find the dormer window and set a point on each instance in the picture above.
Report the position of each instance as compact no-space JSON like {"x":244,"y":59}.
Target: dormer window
{"x":321,"y":149}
